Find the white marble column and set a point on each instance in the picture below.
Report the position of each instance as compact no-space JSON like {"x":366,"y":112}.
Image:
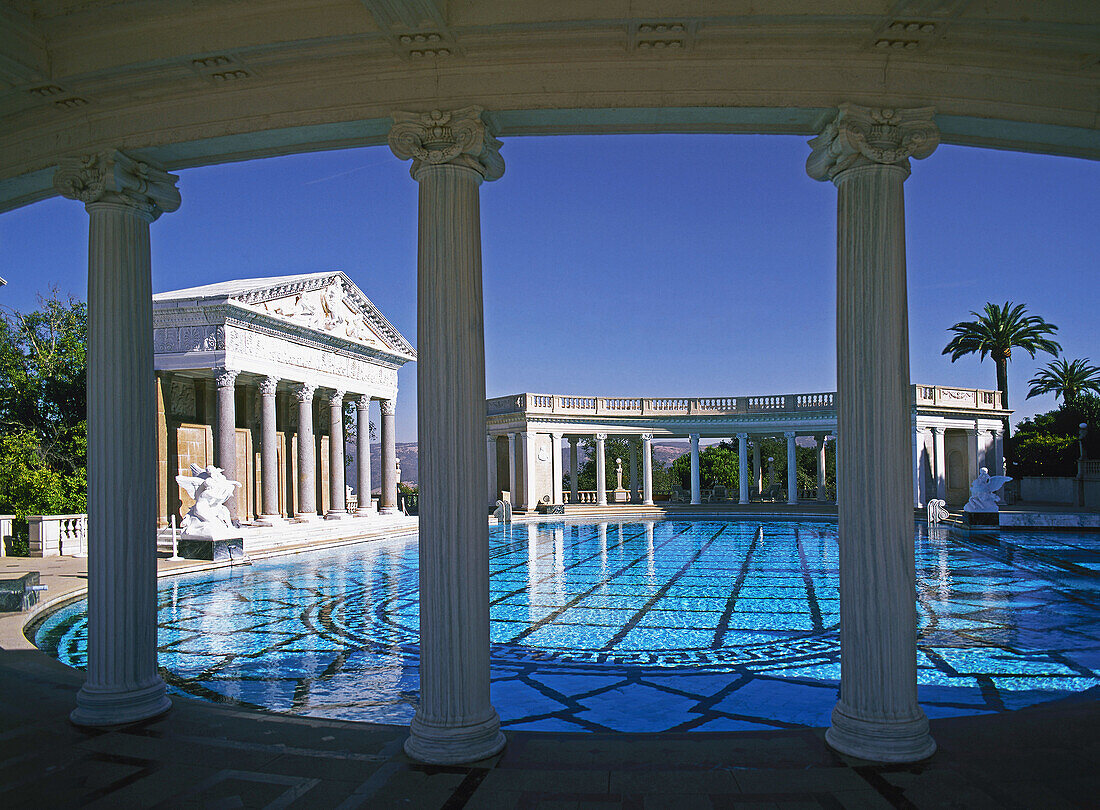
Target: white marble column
{"x":647,"y":469}
{"x":573,"y":469}
{"x":918,"y":441}
{"x":362,"y":457}
{"x":512,"y":466}
{"x":821,"y":468}
{"x":972,"y":451}
{"x":337,"y":495}
{"x":792,"y":469}
{"x":387,"y":504}
{"x":122,"y":197}
{"x":452,"y":153}
{"x":633,"y":471}
{"x":865,"y":152}
{"x":940,"y":460}
{"x":555,"y":469}
{"x":998,"y":453}
{"x":528,"y":443}
{"x":491,"y":460}
{"x":695,"y":493}
{"x":307,"y":460}
{"x":757,"y":471}
{"x":269,"y":455}
{"x":985,"y":449}
{"x":225,"y":455}
{"x":601,"y":470}
{"x":742,"y":468}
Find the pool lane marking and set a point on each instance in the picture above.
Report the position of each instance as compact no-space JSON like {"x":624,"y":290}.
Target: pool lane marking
{"x":811,"y":594}
{"x":657,"y":597}
{"x":585,"y":594}
{"x":724,"y":623}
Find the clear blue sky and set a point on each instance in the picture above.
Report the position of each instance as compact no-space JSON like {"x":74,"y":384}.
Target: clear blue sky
{"x":634,"y":265}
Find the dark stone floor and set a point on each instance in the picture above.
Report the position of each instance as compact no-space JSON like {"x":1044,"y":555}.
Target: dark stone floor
{"x":204,"y":755}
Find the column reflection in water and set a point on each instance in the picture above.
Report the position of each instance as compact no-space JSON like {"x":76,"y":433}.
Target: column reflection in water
{"x":559,"y":562}
{"x":603,"y":554}
{"x":651,"y":568}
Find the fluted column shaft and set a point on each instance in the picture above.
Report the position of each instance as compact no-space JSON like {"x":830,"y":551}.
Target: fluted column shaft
{"x":122,"y":684}
{"x":362,"y":456}
{"x":491,"y":460}
{"x":455,"y":721}
{"x":742,"y":468}
{"x":512,"y":468}
{"x":940,"y":460}
{"x":972,"y":450}
{"x":555,"y":468}
{"x":647,"y":469}
{"x":792,"y":470}
{"x":573,"y":469}
{"x":269,"y":452}
{"x":865,"y":153}
{"x":633,"y":473}
{"x":388,"y":416}
{"x":695,"y":488}
{"x":821,"y":469}
{"x":528,"y":442}
{"x":307,"y":460}
{"x":337,"y":495}
{"x":998,"y":452}
{"x":226,"y":457}
{"x":601,"y":469}
{"x":757,"y":472}
{"x":918,"y":448}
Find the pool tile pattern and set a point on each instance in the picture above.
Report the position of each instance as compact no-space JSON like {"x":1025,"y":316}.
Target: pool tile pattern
{"x":676,"y":625}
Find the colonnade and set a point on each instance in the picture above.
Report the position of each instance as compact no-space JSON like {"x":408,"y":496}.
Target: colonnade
{"x":864,"y":151}
{"x":305,"y":396}
{"x":985,"y":447}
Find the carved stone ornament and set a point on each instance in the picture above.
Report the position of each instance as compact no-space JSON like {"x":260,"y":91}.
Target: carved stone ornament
{"x":388,"y":407}
{"x":362,"y":403}
{"x":742,"y":435}
{"x":601,"y":437}
{"x":862,"y":136}
{"x":458,"y":137}
{"x":647,"y":437}
{"x":115,"y":177}
{"x":225,"y":377}
{"x":304,"y":393}
{"x":336,"y":399}
{"x":268,"y":386}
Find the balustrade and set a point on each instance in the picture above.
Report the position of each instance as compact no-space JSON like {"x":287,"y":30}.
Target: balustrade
{"x":583,"y":496}
{"x":54,"y":535}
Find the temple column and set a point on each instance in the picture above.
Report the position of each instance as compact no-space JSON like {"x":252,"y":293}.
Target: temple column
{"x":972,"y":451}
{"x":865,"y":152}
{"x":695,"y":488}
{"x":307,"y":465}
{"x":512,"y":469}
{"x":362,"y":456}
{"x":940,"y":460}
{"x":573,"y":469}
{"x":387,"y":503}
{"x":918,"y":446}
{"x":337,"y":495}
{"x":122,"y":197}
{"x":452,"y":154}
{"x":998,"y":453}
{"x":269,"y":455}
{"x":601,"y":470}
{"x":225,"y":455}
{"x":528,"y":441}
{"x":821,"y":468}
{"x":757,"y":471}
{"x":792,"y":469}
{"x":633,"y":471}
{"x":491,"y":460}
{"x":647,"y":469}
{"x":742,"y":468}
{"x":555,"y":469}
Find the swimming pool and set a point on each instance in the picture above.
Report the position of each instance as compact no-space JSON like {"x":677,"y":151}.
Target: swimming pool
{"x":636,"y":626}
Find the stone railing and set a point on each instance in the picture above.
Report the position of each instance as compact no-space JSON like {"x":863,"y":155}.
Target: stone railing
{"x":5,"y":533}
{"x":55,"y":535}
{"x":928,"y":395}
{"x":1089,"y":468}
{"x":583,"y":496}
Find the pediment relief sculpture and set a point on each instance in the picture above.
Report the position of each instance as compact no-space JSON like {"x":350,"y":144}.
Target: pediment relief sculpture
{"x":325,"y":310}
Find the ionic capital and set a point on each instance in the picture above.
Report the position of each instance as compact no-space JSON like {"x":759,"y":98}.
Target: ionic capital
{"x":336,"y":399}
{"x":789,"y":434}
{"x":225,"y":377}
{"x":647,"y":437}
{"x":268,"y":386}
{"x":362,"y":403}
{"x":557,"y":437}
{"x":601,"y":437}
{"x":864,"y":136}
{"x":455,"y":137}
{"x":939,"y":431}
{"x":388,"y":407}
{"x":115,"y":177}
{"x":304,"y":392}
{"x":694,"y":437}
{"x":743,"y":436}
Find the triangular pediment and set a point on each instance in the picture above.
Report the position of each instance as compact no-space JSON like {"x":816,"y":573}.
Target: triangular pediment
{"x":328,"y":309}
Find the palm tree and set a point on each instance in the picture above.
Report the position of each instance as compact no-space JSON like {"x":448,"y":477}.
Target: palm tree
{"x":996,"y":332}
{"x":1067,"y":380}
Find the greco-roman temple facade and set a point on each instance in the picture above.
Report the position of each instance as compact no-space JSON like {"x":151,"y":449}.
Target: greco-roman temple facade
{"x":955,"y":431}
{"x":99,"y":103}
{"x":255,"y":375}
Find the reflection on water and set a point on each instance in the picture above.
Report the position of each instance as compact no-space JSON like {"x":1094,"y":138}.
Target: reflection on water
{"x":643,"y":626}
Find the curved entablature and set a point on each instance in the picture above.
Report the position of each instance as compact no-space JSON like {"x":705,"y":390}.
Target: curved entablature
{"x":290,"y":76}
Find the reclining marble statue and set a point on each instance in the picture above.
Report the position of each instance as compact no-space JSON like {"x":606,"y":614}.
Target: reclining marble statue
{"x":208,"y":517}
{"x":983,"y":491}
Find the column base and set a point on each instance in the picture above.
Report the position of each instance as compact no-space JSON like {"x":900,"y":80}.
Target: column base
{"x":453,"y":745}
{"x":880,"y":740}
{"x":647,"y":503}
{"x":791,"y":503}
{"x":306,"y":517}
{"x":111,"y":707}
{"x":365,"y":512}
{"x":269,"y":520}
{"x":388,"y":510}
{"x":333,"y":514}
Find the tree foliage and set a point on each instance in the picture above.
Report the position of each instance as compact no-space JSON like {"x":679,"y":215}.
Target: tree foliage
{"x":1065,"y":379}
{"x":1048,"y":443}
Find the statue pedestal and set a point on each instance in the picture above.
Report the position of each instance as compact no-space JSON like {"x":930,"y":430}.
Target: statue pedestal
{"x":620,"y":496}
{"x":205,"y":548}
{"x":981,"y":518}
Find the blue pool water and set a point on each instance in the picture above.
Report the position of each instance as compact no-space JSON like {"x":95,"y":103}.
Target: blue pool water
{"x":668,"y":625}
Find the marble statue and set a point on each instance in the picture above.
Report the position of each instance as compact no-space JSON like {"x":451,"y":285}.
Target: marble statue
{"x":503,"y":512}
{"x":208,"y":517}
{"x":982,"y":492}
{"x":937,"y":511}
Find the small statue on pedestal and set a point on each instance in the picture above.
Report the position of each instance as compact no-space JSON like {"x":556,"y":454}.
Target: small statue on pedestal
{"x":208,"y":517}
{"x":983,"y":508}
